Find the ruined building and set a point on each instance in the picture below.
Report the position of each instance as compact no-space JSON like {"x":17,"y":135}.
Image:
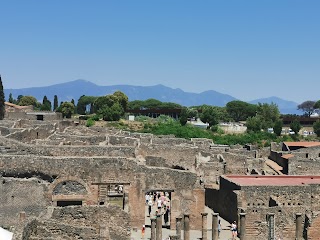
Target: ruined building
{"x":59,"y":180}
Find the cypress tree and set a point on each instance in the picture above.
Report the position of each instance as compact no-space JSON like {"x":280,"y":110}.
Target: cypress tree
{"x":2,"y":106}
{"x":11,"y":100}
{"x":55,"y":102}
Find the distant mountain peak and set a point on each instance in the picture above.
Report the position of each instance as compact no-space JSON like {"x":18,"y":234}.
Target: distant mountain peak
{"x":75,"y":89}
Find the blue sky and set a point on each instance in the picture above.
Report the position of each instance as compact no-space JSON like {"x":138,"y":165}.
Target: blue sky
{"x":249,"y":49}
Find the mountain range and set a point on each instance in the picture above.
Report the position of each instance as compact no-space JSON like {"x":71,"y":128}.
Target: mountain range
{"x":75,"y":89}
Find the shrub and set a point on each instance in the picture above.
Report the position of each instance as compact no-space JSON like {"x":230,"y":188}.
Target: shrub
{"x":90,"y":122}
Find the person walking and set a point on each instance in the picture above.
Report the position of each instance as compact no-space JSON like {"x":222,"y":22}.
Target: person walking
{"x":166,"y":215}
{"x":234,"y":230}
{"x":143,"y":230}
{"x":150,"y":203}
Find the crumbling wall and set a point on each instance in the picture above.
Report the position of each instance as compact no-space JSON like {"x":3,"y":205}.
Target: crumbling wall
{"x":21,"y":196}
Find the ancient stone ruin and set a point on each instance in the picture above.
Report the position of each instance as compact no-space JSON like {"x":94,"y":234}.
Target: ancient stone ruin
{"x":62,"y":180}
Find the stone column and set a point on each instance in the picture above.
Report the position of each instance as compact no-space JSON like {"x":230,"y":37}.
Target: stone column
{"x":178,"y":227}
{"x":153,"y":229}
{"x":215,"y":219}
{"x":159,"y":228}
{"x":204,"y":226}
{"x":186,"y":233}
{"x":271,"y":235}
{"x":242,"y":226}
{"x":299,"y":227}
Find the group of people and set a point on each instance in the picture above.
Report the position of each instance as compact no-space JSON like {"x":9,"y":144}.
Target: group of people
{"x":161,"y":201}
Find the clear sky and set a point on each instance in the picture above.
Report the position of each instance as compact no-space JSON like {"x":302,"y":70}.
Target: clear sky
{"x":246,"y":48}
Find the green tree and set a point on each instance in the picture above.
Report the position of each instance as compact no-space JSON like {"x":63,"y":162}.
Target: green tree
{"x":19,"y":98}
{"x":75,"y":109}
{"x":2,"y":101}
{"x":209,"y":115}
{"x":55,"y":102}
{"x":316,"y":127}
{"x":122,"y":99}
{"x":112,"y":113}
{"x":67,"y":109}
{"x":295,"y":126}
{"x":192,"y":113}
{"x":183,"y":116}
{"x":269,"y":114}
{"x":240,"y":111}
{"x":11,"y":99}
{"x":85,"y":104}
{"x":317,"y":105}
{"x":152,"y":103}
{"x":278,"y":127}
{"x":136,"y":104}
{"x":46,"y":104}
{"x":254,"y":124}
{"x":307,"y":107}
{"x":28,"y":101}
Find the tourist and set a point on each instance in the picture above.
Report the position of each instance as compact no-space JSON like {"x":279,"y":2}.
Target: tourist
{"x":143,"y":231}
{"x":150,"y":203}
{"x":219,"y":227}
{"x":159,"y":204}
{"x":147,"y":198}
{"x":166,"y":215}
{"x":234,"y":230}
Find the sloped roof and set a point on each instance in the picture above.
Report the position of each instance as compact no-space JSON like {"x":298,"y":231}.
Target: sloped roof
{"x":287,"y":156}
{"x":302,"y":144}
{"x":276,"y":180}
{"x":15,"y":105}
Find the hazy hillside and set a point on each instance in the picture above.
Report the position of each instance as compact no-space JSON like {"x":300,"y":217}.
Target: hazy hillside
{"x":75,"y":89}
{"x":285,"y":107}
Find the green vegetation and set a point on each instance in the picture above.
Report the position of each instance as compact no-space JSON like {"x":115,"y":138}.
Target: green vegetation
{"x":113,"y":108}
{"x":67,"y":109}
{"x":240,"y":111}
{"x":152,"y":104}
{"x":188,"y":131}
{"x":316,"y":128}
{"x":295,"y":126}
{"x":46,"y":104}
{"x":307,"y":107}
{"x":2,"y":100}
{"x":90,"y":122}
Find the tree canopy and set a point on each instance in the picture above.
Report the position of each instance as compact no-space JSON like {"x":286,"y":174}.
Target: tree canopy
{"x":210,"y":115}
{"x":85,"y":103}
{"x":2,"y":100}
{"x":316,"y":105}
{"x":307,"y":107}
{"x":240,"y":111}
{"x":111,"y":107}
{"x":46,"y":104}
{"x":152,"y":103}
{"x":27,"y":101}
{"x":316,"y":128}
{"x":67,"y":109}
{"x":295,"y":126}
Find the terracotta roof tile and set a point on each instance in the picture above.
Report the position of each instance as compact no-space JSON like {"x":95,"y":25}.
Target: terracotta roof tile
{"x":287,"y":156}
{"x":302,"y":144}
{"x":278,"y":180}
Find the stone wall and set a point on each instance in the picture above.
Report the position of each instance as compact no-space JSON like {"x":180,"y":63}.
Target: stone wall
{"x":86,"y":222}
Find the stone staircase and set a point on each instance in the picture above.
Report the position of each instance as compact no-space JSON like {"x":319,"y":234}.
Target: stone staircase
{"x":103,"y":190}
{"x":251,"y":227}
